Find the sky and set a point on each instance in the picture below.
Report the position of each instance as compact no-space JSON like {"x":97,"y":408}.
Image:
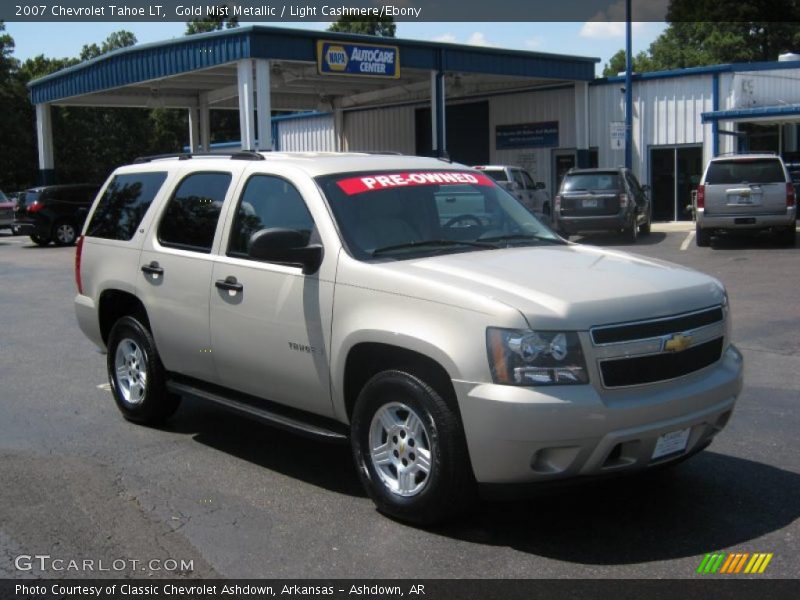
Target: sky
{"x":595,"y":39}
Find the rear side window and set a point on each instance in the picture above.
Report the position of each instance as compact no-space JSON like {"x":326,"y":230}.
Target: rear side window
{"x":123,"y":205}
{"x":591,"y":182}
{"x":190,"y":219}
{"x":268,"y":202}
{"x":757,"y":170}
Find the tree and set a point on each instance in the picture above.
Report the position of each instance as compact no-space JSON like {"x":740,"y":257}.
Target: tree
{"x":706,"y":32}
{"x":383,"y":27}
{"x":212,"y":23}
{"x":118,"y":39}
{"x":615,"y":66}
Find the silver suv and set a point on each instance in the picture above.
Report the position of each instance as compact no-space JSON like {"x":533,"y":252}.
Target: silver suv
{"x":407,"y":305}
{"x":747,"y":192}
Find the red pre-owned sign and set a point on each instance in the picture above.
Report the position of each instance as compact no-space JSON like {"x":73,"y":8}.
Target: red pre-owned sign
{"x":366,"y":183}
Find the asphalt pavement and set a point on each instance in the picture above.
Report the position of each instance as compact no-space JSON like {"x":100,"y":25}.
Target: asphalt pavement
{"x":233,"y":498}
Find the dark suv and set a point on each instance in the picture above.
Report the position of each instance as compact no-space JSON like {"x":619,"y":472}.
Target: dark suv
{"x":54,"y":213}
{"x":602,"y":200}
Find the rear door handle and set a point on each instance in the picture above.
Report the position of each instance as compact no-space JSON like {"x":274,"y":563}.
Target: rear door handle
{"x":229,"y":283}
{"x":153,"y":269}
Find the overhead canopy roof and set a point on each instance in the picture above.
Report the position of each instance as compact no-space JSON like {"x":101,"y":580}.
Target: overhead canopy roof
{"x":785,"y":113}
{"x":173,"y":73}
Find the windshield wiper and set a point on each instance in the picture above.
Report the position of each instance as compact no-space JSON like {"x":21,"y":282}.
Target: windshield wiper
{"x":484,"y":245}
{"x":521,"y":236}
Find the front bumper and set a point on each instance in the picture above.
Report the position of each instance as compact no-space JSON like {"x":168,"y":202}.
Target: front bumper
{"x":524,"y":435}
{"x":747,"y":221}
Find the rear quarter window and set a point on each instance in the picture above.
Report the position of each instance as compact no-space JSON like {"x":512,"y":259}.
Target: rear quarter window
{"x":758,"y":170}
{"x":124,"y":204}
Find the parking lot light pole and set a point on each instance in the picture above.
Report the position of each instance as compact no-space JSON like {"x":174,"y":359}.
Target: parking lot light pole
{"x":628,"y":88}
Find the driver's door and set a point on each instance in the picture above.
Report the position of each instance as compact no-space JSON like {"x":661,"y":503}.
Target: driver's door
{"x":268,"y":320}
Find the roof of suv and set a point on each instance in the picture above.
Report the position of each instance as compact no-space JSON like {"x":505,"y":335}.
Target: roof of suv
{"x":752,"y":156}
{"x":595,"y":170}
{"x":316,"y":163}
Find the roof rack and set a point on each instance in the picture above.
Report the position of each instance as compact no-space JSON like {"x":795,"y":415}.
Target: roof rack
{"x":382,"y":152}
{"x":746,"y":152}
{"x":235,"y":155}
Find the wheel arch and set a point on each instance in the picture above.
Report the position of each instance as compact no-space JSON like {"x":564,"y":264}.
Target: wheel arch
{"x":114,"y":304}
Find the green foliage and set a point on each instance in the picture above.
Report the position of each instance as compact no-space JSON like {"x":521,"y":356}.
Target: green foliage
{"x":213,"y":23}
{"x":384,"y":27}
{"x":710,"y":32}
{"x":88,"y":142}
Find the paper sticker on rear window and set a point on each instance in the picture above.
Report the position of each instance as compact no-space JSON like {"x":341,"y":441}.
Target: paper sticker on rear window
{"x":376,"y":182}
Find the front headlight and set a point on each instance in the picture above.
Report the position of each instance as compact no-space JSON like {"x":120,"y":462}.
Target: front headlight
{"x":524,"y":357}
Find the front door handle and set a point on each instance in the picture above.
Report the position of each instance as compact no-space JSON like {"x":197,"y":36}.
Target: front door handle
{"x":229,"y":283}
{"x":153,"y":269}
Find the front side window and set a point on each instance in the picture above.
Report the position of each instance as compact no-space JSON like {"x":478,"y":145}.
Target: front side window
{"x":268,"y":202}
{"x":400,"y":214}
{"x":191,"y":216}
{"x":124,"y":204}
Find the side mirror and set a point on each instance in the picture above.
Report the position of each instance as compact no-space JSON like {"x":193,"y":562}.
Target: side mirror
{"x":285,"y":246}
{"x":540,"y":185}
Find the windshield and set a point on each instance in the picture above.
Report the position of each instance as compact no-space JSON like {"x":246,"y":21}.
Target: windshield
{"x":591,"y":182}
{"x":401,"y":214}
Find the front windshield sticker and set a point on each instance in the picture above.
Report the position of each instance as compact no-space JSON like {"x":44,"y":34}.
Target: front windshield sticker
{"x":366,"y":183}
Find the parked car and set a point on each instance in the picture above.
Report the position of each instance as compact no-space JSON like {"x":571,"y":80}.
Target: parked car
{"x":518,"y":181}
{"x":746,"y":192}
{"x":54,"y":213}
{"x":6,"y":212}
{"x":602,"y":200}
{"x":462,"y":348}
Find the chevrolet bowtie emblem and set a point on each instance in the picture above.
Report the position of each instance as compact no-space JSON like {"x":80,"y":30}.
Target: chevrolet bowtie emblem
{"x":677,"y":343}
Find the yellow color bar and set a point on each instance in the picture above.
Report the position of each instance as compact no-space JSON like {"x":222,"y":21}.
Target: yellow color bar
{"x":754,"y":563}
{"x":765,"y":563}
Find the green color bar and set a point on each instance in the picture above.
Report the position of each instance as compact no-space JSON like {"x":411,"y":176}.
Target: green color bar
{"x":718,"y":564}
{"x":703,"y":564}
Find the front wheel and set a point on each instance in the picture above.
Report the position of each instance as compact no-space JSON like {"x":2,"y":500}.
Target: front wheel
{"x":136,"y":374}
{"x":410,"y":451}
{"x":65,"y":233}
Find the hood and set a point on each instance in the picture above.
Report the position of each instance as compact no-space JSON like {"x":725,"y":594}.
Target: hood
{"x":583,"y":286}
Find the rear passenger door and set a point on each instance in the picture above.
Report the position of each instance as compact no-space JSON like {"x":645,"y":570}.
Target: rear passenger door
{"x":176,"y":263}
{"x":269,"y":321}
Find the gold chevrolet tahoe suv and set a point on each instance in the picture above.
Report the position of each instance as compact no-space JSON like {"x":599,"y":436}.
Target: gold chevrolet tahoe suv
{"x":408,"y":305}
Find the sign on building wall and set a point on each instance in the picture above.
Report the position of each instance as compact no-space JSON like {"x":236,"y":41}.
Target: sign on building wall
{"x":358,"y":60}
{"x":527,"y":135}
{"x":617,"y":131}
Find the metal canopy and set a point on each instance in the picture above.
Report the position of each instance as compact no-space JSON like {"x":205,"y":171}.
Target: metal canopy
{"x":174,"y":72}
{"x":786,"y":113}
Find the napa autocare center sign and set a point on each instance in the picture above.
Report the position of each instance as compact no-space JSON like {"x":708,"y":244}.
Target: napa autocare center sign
{"x":527,"y":135}
{"x":358,"y":60}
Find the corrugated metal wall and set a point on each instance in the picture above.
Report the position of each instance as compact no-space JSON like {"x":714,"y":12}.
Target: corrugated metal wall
{"x":666,"y":112}
{"x":380,"y":129}
{"x":534,"y":107}
{"x":306,"y":134}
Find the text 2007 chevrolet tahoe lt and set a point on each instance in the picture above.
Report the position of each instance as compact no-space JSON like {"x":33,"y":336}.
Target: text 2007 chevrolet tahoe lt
{"x":408,"y":304}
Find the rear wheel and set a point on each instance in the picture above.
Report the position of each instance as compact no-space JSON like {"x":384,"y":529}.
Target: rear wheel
{"x":136,"y":374}
{"x":788,"y":236}
{"x":65,"y":233}
{"x":631,"y":234}
{"x":644,"y":228}
{"x":40,"y":239}
{"x":702,"y":237}
{"x":410,"y":451}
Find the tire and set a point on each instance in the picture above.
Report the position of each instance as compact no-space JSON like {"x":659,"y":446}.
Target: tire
{"x":423,"y":440}
{"x":788,"y":237}
{"x":702,"y":237}
{"x":644,"y":228}
{"x":631,"y":234}
{"x":136,"y":374}
{"x":39,"y":240}
{"x":65,"y":233}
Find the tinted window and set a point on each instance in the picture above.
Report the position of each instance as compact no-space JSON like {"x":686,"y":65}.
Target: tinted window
{"x":123,"y":205}
{"x":265,"y":203}
{"x":757,"y":170}
{"x":3,"y":197}
{"x":591,"y":182}
{"x":454,"y":201}
{"x":191,"y":216}
{"x":496,"y":174}
{"x":528,"y":181}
